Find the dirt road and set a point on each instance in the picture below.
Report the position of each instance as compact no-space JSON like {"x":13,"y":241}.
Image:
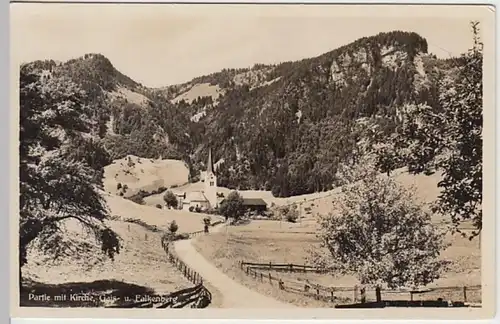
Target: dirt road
{"x":234,"y":294}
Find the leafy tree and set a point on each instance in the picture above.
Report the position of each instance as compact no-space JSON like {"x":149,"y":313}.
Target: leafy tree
{"x":170,"y":199}
{"x":232,"y":206}
{"x":54,"y":188}
{"x":448,"y":138}
{"x":379,"y":234}
{"x":173,"y":227}
{"x":290,"y":213}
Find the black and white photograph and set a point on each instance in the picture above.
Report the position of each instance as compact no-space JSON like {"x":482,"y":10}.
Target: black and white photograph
{"x":253,"y":157}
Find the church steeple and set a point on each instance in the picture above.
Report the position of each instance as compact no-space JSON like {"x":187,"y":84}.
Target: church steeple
{"x":210,"y":167}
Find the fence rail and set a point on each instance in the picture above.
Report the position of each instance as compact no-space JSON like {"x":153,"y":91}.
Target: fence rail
{"x":344,"y":294}
{"x":283,"y":267}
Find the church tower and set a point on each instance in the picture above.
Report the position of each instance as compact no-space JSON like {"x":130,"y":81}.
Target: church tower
{"x":211,"y":182}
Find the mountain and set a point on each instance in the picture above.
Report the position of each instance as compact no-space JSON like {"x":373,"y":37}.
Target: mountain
{"x":284,"y":127}
{"x":287,"y":127}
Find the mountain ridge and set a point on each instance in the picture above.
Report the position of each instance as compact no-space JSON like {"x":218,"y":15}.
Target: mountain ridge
{"x":284,"y":127}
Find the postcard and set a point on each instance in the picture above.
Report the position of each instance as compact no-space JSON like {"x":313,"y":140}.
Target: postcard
{"x":252,"y":161}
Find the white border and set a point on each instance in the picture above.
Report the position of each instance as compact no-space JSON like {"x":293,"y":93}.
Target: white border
{"x":4,"y":95}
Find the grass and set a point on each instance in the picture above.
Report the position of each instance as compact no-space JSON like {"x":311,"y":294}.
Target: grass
{"x":141,"y":265}
{"x":161,"y":218}
{"x":272,"y":241}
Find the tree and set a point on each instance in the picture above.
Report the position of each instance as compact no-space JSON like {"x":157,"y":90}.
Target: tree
{"x":54,"y":188}
{"x":379,"y":234}
{"x":449,"y":139}
{"x":173,"y":227}
{"x":290,"y":213}
{"x":232,"y":206}
{"x":170,"y":199}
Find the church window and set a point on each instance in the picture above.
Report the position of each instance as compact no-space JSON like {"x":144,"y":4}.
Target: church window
{"x":211,"y":183}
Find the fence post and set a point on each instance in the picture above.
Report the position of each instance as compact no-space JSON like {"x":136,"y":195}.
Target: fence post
{"x":378,"y":294}
{"x":270,"y":265}
{"x":355,"y":295}
{"x":247,"y":269}
{"x":465,"y":294}
{"x":261,"y":277}
{"x":145,"y":236}
{"x":270,"y":279}
{"x":241,"y":264}
{"x":291,"y":267}
{"x":363,"y":295}
{"x":331,"y":295}
{"x":317,"y":292}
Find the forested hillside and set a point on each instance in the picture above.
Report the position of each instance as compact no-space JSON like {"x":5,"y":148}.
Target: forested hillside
{"x":284,"y":127}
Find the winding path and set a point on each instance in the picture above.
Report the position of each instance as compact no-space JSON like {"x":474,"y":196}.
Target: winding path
{"x":234,"y":294}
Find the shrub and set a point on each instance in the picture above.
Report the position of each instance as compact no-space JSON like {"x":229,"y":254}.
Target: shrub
{"x":170,"y":199}
{"x":137,"y":199}
{"x":173,"y":227}
{"x":182,"y":236}
{"x":158,"y":206}
{"x":191,"y":208}
{"x":118,"y":186}
{"x":121,"y":193}
{"x":291,"y":214}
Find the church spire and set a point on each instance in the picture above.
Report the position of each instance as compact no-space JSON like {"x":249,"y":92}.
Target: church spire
{"x":210,"y":167}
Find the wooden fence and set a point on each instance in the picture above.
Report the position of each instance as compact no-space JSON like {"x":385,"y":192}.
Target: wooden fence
{"x":282,"y":267}
{"x":197,"y":297}
{"x":354,"y":294}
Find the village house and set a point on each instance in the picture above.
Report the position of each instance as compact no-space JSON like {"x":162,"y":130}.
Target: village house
{"x":207,"y":198}
{"x":255,"y":205}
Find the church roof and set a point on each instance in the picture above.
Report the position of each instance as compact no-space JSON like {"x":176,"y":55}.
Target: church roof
{"x":196,"y":196}
{"x":210,"y":165}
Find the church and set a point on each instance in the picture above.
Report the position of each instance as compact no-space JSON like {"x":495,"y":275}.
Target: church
{"x":206,"y":198}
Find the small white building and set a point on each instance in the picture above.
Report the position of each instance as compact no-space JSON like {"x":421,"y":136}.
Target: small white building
{"x":195,"y":199}
{"x":206,"y":198}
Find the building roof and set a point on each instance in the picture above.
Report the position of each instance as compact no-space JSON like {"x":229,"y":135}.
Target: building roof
{"x":196,"y":196}
{"x":210,"y":166}
{"x":254,"y":202}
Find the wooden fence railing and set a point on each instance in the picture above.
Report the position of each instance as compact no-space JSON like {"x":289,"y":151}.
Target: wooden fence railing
{"x":197,"y":297}
{"x":349,"y":294}
{"x":282,"y":267}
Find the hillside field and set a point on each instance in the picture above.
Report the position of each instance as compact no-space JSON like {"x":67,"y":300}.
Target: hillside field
{"x":143,"y":174}
{"x":140,"y":267}
{"x":265,"y":241}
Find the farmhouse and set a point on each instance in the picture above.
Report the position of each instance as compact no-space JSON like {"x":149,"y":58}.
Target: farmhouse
{"x":254,"y":204}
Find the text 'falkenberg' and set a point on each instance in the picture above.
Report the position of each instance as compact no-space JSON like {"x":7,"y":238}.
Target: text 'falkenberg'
{"x":153,"y":298}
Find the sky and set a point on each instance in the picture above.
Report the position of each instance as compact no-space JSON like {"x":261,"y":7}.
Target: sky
{"x":160,"y":45}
